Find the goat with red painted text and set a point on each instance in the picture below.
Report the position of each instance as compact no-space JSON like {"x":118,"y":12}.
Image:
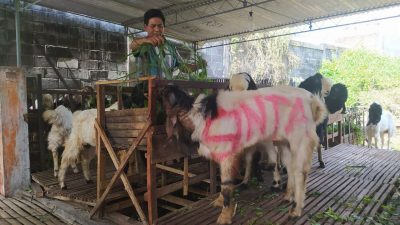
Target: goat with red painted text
{"x":226,"y":123}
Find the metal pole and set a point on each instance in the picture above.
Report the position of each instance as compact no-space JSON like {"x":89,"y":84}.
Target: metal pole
{"x":17,"y":32}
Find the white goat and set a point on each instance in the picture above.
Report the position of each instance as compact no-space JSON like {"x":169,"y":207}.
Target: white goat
{"x":80,"y":145}
{"x":228,"y":122}
{"x":379,"y":123}
{"x":243,"y":82}
{"x":82,"y":136}
{"x":60,"y":120}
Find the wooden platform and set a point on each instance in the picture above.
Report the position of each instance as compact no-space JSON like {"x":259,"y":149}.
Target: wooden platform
{"x":78,"y":190}
{"x":81,"y":192}
{"x":352,"y":187}
{"x":22,"y":211}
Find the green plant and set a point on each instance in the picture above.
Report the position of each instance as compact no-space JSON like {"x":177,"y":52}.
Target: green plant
{"x":361,"y":70}
{"x":314,"y":194}
{"x":185,"y":71}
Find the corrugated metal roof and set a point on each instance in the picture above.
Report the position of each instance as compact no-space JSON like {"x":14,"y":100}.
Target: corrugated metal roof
{"x":211,"y":19}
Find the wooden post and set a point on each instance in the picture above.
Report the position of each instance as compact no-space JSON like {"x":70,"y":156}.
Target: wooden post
{"x":101,"y":157}
{"x":119,"y":98}
{"x":185,"y":176}
{"x":340,"y":131}
{"x":42,"y":147}
{"x":363,"y":126}
{"x":151,"y":167}
{"x":213,"y":170}
{"x":213,"y":177}
{"x":14,"y":147}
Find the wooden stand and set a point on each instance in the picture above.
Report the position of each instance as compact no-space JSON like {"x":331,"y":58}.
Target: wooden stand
{"x":125,"y":130}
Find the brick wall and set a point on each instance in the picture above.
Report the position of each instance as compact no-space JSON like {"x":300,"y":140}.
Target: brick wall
{"x":79,"y":47}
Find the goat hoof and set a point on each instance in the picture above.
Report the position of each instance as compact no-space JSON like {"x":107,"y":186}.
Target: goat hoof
{"x":294,"y":213}
{"x":288,"y":198}
{"x":64,"y":187}
{"x":321,"y":164}
{"x":89,"y":181}
{"x":219,"y":202}
{"x":223,"y":219}
{"x":75,"y":170}
{"x":55,"y":174}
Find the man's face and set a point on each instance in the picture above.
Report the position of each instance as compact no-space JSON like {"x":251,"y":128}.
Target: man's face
{"x":155,"y":27}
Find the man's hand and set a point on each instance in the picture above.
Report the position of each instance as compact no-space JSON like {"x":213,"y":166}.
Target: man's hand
{"x":155,"y":41}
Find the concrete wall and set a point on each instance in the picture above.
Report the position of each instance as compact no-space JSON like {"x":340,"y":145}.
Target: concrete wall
{"x":310,"y":58}
{"x":218,"y":59}
{"x":14,"y":149}
{"x":79,"y":47}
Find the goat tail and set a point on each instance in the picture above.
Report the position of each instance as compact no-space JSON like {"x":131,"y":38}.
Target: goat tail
{"x":49,"y":116}
{"x":72,"y":150}
{"x":318,"y":109}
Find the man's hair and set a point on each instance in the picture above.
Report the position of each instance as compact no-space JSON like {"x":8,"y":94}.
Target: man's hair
{"x":153,"y":13}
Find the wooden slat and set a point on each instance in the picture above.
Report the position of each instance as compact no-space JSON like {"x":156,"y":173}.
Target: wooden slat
{"x":125,"y":126}
{"x":123,"y":133}
{"x":119,"y":173}
{"x":126,"y":141}
{"x":127,"y":119}
{"x":127,"y":112}
{"x":340,"y":183}
{"x":177,"y":200}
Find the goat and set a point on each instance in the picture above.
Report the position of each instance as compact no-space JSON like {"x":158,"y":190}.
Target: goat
{"x":60,"y":120}
{"x":335,"y":101}
{"x":226,"y":123}
{"x":80,"y":144}
{"x":379,"y":122}
{"x":82,"y":136}
{"x":242,"y":82}
{"x":319,"y":86}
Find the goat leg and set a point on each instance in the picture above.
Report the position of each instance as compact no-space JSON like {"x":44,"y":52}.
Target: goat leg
{"x":227,"y":187}
{"x":54,"y":152}
{"x":320,"y":160}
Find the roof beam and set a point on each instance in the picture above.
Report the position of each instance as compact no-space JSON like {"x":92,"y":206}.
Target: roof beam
{"x":170,"y":10}
{"x":212,"y":6}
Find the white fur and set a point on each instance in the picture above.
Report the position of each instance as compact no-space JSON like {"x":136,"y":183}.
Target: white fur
{"x":82,"y":133}
{"x":61,"y":125}
{"x":385,"y":125}
{"x":81,"y":142}
{"x":238,"y":82}
{"x":302,"y":139}
{"x":48,"y":102}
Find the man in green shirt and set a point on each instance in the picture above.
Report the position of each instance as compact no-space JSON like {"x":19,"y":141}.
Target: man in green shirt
{"x":154,"y":54}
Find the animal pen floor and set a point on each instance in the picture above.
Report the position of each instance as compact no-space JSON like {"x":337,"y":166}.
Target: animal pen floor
{"x":351,"y":189}
{"x":23,"y":211}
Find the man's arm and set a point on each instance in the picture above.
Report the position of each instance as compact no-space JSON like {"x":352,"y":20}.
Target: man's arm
{"x":155,"y":41}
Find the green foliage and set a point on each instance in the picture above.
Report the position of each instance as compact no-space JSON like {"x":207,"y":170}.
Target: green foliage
{"x":314,"y":194}
{"x":187,"y":70}
{"x":362,"y":70}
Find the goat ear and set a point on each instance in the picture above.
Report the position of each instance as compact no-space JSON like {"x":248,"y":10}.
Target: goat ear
{"x":172,"y":99}
{"x":171,"y":122}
